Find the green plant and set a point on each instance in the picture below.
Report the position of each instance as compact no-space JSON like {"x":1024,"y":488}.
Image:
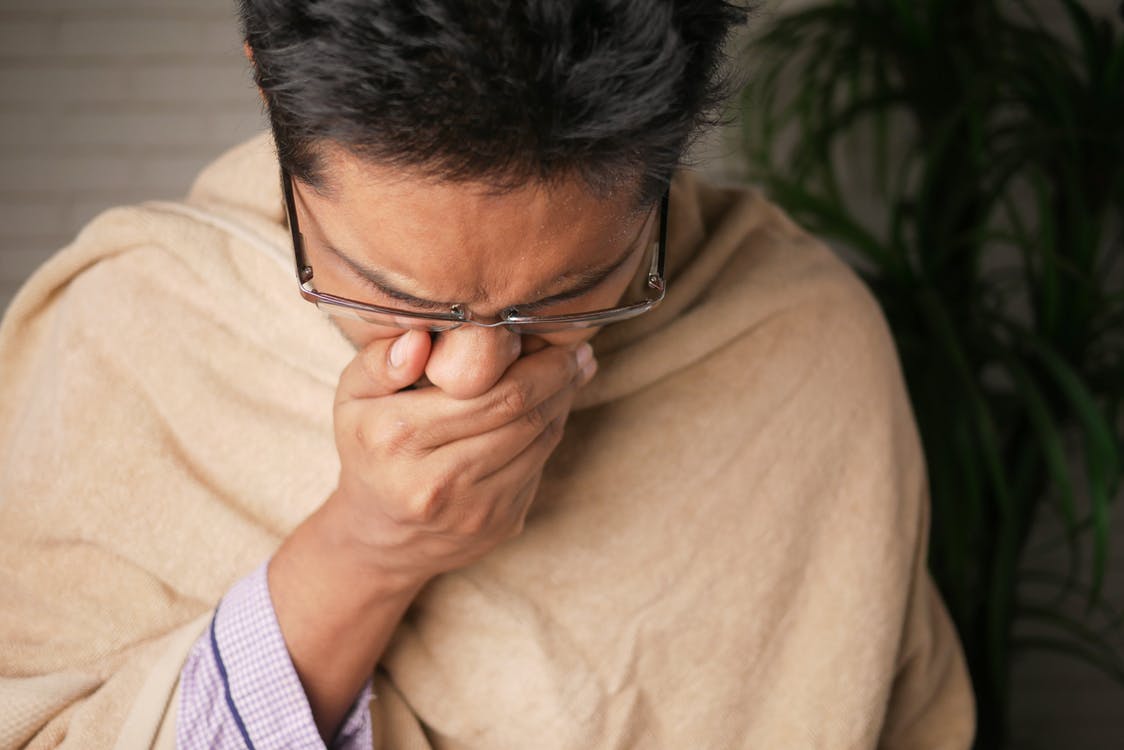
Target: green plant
{"x":969,"y":156}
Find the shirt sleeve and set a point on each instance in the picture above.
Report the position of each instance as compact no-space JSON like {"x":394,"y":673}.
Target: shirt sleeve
{"x":239,"y":689}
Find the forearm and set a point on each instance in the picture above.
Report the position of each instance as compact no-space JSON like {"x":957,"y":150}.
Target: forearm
{"x":341,"y":582}
{"x":336,"y":613}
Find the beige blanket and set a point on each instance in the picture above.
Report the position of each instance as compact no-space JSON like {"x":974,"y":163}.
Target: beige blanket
{"x":727,"y":550}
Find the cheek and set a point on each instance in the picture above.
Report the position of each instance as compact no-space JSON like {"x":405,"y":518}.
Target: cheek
{"x":363,"y":334}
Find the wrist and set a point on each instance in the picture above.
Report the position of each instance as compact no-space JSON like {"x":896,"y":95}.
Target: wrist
{"x":374,"y":572}
{"x":336,"y":614}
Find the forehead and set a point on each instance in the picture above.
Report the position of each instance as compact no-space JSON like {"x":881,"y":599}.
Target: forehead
{"x":462,"y":240}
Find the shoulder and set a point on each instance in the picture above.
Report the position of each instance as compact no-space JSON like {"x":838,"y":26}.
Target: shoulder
{"x":806,"y":370}
{"x":750,"y":295}
{"x":777,"y":287}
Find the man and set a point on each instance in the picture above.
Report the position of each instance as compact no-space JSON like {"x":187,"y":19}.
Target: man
{"x":581,"y":455}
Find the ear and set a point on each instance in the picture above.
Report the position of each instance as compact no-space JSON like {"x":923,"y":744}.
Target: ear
{"x":249,"y":53}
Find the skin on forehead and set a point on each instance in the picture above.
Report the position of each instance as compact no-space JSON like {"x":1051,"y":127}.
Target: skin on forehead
{"x":467,"y":242}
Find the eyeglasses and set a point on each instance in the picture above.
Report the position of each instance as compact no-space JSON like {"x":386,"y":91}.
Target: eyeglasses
{"x":647,"y":291}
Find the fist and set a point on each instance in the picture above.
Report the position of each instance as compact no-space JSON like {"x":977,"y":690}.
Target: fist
{"x":430,"y":483}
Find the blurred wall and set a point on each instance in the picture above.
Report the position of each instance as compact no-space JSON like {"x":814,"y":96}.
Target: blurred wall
{"x":104,"y":102}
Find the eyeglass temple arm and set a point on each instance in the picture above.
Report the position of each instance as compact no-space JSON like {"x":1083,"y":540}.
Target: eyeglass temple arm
{"x":657,"y":267}
{"x":294,"y":227}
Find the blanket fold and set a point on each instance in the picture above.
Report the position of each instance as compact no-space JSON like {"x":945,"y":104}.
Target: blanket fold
{"x":727,"y":549}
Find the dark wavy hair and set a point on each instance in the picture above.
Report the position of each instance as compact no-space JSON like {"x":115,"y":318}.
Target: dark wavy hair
{"x":494,"y":91}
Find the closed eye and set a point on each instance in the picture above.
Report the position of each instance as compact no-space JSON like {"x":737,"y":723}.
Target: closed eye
{"x":581,"y":283}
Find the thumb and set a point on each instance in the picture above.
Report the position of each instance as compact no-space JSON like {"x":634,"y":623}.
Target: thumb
{"x":384,"y":366}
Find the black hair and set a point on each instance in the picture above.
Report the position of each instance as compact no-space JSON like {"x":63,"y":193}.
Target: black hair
{"x":494,"y":91}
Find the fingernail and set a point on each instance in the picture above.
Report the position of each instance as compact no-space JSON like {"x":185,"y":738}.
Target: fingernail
{"x":584,"y":355}
{"x":398,"y":351}
{"x":588,"y":372}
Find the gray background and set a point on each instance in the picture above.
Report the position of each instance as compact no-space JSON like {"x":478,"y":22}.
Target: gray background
{"x":104,"y":102}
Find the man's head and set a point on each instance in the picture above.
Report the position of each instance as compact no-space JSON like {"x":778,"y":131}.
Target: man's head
{"x":502,"y":92}
{"x":490,"y":153}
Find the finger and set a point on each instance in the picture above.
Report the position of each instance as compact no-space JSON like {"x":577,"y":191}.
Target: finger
{"x":519,"y":396}
{"x":523,"y":471}
{"x":384,"y":366}
{"x":482,"y":456}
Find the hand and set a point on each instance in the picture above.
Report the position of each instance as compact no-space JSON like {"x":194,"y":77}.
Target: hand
{"x":429,"y":483}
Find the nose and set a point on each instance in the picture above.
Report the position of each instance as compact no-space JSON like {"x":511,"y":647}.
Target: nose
{"x":467,"y":361}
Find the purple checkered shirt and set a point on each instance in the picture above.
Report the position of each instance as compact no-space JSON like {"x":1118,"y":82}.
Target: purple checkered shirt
{"x":239,"y":689}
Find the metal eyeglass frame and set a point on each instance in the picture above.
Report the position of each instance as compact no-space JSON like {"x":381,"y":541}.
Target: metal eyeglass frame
{"x":458,"y":314}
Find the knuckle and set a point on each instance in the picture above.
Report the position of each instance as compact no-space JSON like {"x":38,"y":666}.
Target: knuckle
{"x":362,"y":439}
{"x":436,"y":495}
{"x":423,"y":507}
{"x":514,"y":398}
{"x":399,"y":436}
{"x":536,"y":418}
{"x":354,"y":436}
{"x":455,"y":478}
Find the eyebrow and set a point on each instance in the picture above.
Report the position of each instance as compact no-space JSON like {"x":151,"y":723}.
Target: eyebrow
{"x":581,"y":281}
